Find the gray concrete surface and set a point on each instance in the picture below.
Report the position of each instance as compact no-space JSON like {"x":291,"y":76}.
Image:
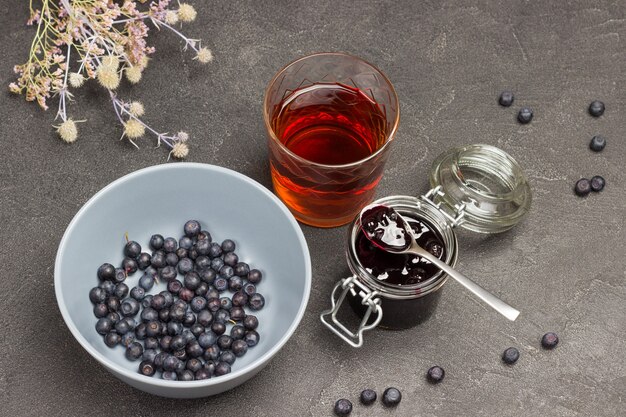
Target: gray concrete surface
{"x":564,"y":266}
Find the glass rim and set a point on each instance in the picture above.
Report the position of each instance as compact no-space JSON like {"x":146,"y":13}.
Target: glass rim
{"x":388,"y":137}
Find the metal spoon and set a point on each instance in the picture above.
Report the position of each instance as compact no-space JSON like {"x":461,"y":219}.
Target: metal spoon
{"x":389,"y":231}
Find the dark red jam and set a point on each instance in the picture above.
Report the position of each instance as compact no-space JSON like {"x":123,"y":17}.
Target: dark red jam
{"x":402,"y":269}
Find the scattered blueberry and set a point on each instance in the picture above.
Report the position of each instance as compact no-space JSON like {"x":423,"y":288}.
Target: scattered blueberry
{"x":134,"y":351}
{"x":256,"y":302}
{"x":97,"y":295}
{"x":251,"y":338}
{"x":138,"y":293}
{"x":506,"y":99}
{"x":250,"y":322}
{"x":112,"y":339}
{"x":120,"y":275}
{"x":106,"y":272}
{"x":525,"y":115}
{"x":156,"y":242}
{"x":170,"y":245}
{"x":550,"y":340}
{"x":596,"y":108}
{"x":368,"y":396}
{"x":343,"y":407}
{"x":132,"y":249}
{"x":192,"y":228}
{"x":255,"y":276}
{"x":228,"y":246}
{"x":582,"y":187}
{"x":185,"y":265}
{"x":222,"y":368}
{"x":392,"y":397}
{"x":143,"y":260}
{"x":436,"y":374}
{"x":597,"y":183}
{"x":130,"y":266}
{"x":597,"y":143}
{"x":510,"y":356}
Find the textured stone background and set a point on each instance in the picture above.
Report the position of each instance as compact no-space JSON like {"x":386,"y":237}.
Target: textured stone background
{"x":564,"y":266}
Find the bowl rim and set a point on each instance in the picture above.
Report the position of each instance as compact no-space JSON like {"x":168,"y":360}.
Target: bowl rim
{"x":142,"y":379}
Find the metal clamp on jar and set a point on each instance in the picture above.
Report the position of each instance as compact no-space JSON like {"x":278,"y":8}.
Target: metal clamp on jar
{"x":478,"y":187}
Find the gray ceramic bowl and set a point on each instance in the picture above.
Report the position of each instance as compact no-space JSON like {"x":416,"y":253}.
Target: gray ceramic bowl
{"x":159,"y":200}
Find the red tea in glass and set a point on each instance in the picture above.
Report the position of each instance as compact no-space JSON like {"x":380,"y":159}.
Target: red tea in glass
{"x":329,"y":136}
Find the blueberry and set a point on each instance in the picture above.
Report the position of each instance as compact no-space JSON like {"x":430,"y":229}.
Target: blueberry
{"x":158,"y":259}
{"x":114,"y":317}
{"x":204,"y":235}
{"x":143,"y":260}
{"x":164,"y":315}
{"x":202,"y":374}
{"x":140,"y":331}
{"x":596,"y":108}
{"x":158,"y":360}
{"x":128,"y":339}
{"x":228,"y":357}
{"x":165,"y":343}
{"x":177,"y":314}
{"x":240,"y":299}
{"x":197,"y":329}
{"x":215,"y":250}
{"x":146,"y":282}
{"x":112,"y":339}
{"x":174,"y":328}
{"x":130,"y":266}
{"x":255,"y":276}
{"x":121,"y":290}
{"x":510,"y":356}
{"x":194,"y":350}
{"x":100,"y":310}
{"x":158,"y":302}
{"x":203,"y":262}
{"x":147,"y":368}
{"x":149,"y":314}
{"x":211,"y":353}
{"x":220,"y":283}
{"x":368,"y":396}
{"x":113,"y":303}
{"x":217,"y":264}
{"x":191,"y":280}
{"x":235,"y":283}
{"x":186,"y":294}
{"x":153,"y":329}
{"x":222,"y":368}
{"x":218,"y":328}
{"x":228,"y":271}
{"x":170,"y":363}
{"x":239,"y":347}
{"x":185,"y":243}
{"x":256,"y":302}
{"x":226,"y":303}
{"x":550,"y":340}
{"x":192,"y":228}
{"x":237,"y":332}
{"x":435,"y":374}
{"x":156,"y":242}
{"x":343,"y":407}
{"x":178,"y":342}
{"x":137,"y":293}
{"x":202,"y":247}
{"x":582,"y":187}
{"x":171,"y":259}
{"x":205,"y":318}
{"x":134,"y":351}
{"x":506,"y":99}
{"x":129,"y":307}
{"x":209,"y":365}
{"x":185,"y":265}
{"x":106,"y":271}
{"x":241,"y":269}
{"x":152,"y":271}
{"x":212,"y":293}
{"x":189,"y":319}
{"x":186,"y":375}
{"x":132,"y":249}
{"x":121,"y":327}
{"x":237,"y":313}
{"x":392,"y":397}
{"x":250,"y":322}
{"x":202,"y":289}
{"x":170,"y":245}
{"x":525,"y":115}
{"x":228,"y":245}
{"x":192,"y":253}
{"x":597,"y":183}
{"x":97,"y":295}
{"x":108,"y":286}
{"x":182,"y":253}
{"x":194,"y":364}
{"x":597,"y":143}
{"x":231,"y":259}
{"x":151,"y":344}
{"x":198,"y":304}
{"x":249,"y":289}
{"x":251,"y":338}
{"x":120,"y":275}
{"x":174,"y":286}
{"x":169,"y":298}
{"x":207,"y":275}
{"x":169,"y":376}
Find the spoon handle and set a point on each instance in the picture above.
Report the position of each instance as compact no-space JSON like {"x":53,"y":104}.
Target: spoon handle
{"x":493,"y":301}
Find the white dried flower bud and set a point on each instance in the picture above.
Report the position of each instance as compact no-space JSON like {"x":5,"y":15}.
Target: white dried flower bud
{"x":67,"y":131}
{"x":76,"y":79}
{"x":186,"y":13}
{"x":180,"y":150}
{"x":136,"y":109}
{"x":134,"y":129}
{"x":171,"y":17}
{"x":111,"y":61}
{"x":182,"y":136}
{"x":133,"y":74}
{"x":107,"y":77}
{"x":143,"y":62}
{"x":204,"y":55}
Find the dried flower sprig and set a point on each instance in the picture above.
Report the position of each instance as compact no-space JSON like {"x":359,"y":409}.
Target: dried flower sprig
{"x":110,"y":41}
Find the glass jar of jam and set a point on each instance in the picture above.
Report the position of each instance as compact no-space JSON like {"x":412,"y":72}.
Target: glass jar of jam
{"x":477,"y":187}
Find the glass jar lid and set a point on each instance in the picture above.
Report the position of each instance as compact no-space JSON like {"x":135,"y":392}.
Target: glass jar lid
{"x":482,"y":186}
